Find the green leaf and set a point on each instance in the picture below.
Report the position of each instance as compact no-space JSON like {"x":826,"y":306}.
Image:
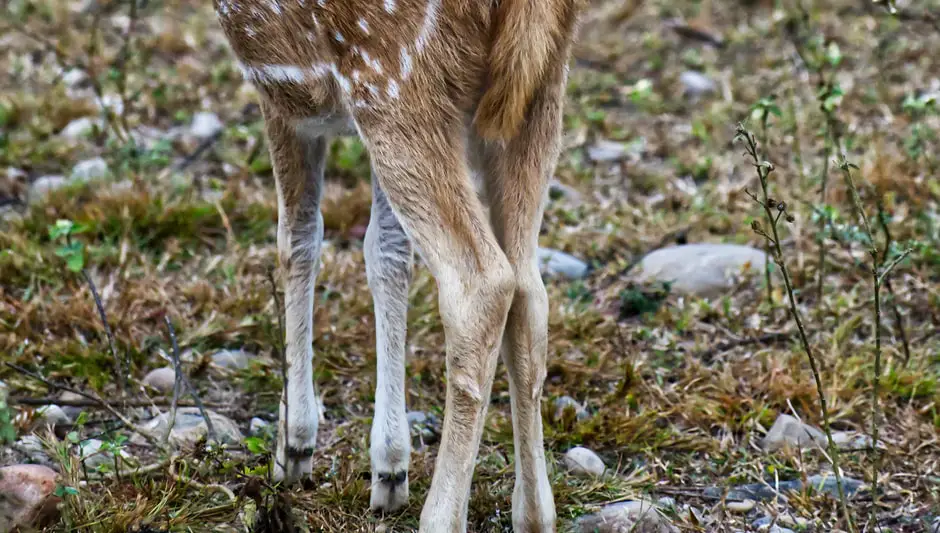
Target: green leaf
{"x":61,"y":228}
{"x":255,"y":445}
{"x":75,"y":262}
{"x":72,"y":436}
{"x":64,"y":490}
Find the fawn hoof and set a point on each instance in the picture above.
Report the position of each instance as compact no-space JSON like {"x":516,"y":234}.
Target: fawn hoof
{"x":389,"y":491}
{"x":293,"y":465}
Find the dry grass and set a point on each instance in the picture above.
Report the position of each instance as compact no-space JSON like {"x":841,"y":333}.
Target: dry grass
{"x":671,"y":412}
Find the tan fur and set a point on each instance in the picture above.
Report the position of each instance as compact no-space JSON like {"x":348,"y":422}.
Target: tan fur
{"x":528,"y":37}
{"x":426,"y":84}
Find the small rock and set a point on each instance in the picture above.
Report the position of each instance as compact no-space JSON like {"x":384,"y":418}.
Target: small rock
{"x":32,"y":447}
{"x":935,"y":527}
{"x":779,"y":529}
{"x":625,"y":517}
{"x":162,"y":379}
{"x":425,"y":428}
{"x":71,"y":411}
{"x":257,"y":426}
{"x":26,"y":496}
{"x":563,"y":402}
{"x":74,"y":77}
{"x":696,"y":84}
{"x":112,"y":103}
{"x":583,"y":462}
{"x":666,"y":502}
{"x":232,"y":359}
{"x":80,"y":127}
{"x":788,"y":431}
{"x":850,"y":440}
{"x":743,"y":506}
{"x":41,"y":187}
{"x":54,"y":415}
{"x":825,"y":484}
{"x":90,"y":453}
{"x":604,"y":151}
{"x":555,"y":263}
{"x":90,"y":169}
{"x":205,"y":125}
{"x":190,"y":427}
{"x":700,"y":269}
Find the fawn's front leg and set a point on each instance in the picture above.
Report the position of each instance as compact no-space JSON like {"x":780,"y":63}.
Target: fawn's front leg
{"x":389,"y":265}
{"x":298,"y":162}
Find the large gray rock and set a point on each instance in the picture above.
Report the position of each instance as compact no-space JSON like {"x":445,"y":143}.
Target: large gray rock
{"x":26,"y":496}
{"x":705,"y":270}
{"x":189,"y":427}
{"x":553,"y":263}
{"x":581,"y":461}
{"x":625,"y":517}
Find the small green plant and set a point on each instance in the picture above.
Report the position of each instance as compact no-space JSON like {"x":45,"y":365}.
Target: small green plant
{"x":73,"y":252}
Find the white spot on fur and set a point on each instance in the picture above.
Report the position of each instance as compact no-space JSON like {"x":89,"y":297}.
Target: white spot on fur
{"x":342,"y":80}
{"x":373,"y":90}
{"x":389,"y":6}
{"x":392,"y":89}
{"x":274,"y":7}
{"x":405,"y":65}
{"x":356,"y":75}
{"x":282,"y":73}
{"x":375,"y":64}
{"x":339,"y":37}
{"x":364,"y":26}
{"x":430,"y":23}
{"x":321,"y":3}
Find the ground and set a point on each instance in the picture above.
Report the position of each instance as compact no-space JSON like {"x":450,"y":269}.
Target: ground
{"x":680,"y":390}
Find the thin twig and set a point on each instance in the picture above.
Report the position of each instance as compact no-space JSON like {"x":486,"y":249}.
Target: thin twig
{"x":180,"y":375}
{"x":95,"y":398}
{"x":177,"y":380}
{"x":898,"y":318}
{"x":706,"y":355}
{"x":48,"y":400}
{"x":122,"y":379}
{"x":281,"y":355}
{"x":878,"y":273}
{"x":763,"y":171}
{"x":201,"y":486}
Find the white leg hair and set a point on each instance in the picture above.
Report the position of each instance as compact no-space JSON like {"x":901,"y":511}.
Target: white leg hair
{"x":298,"y":162}
{"x":389,"y":265}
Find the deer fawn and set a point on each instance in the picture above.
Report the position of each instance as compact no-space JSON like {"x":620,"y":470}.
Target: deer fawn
{"x":437,"y":90}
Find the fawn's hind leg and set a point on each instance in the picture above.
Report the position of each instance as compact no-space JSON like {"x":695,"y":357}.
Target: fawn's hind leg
{"x":298,"y":159}
{"x":389,"y":265}
{"x":516,"y":180}
{"x":421,"y":162}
